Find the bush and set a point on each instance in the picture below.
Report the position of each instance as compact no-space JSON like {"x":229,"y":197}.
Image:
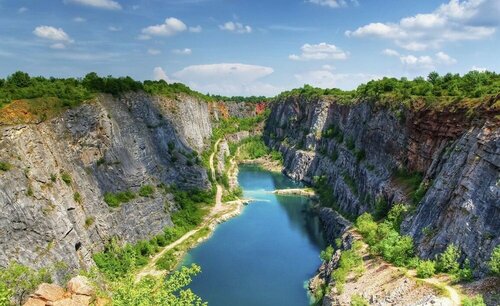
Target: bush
{"x":66,"y":178}
{"x":473,"y":301}
{"x":494,"y":262}
{"x":396,"y":215}
{"x":5,"y":166}
{"x":426,"y":268}
{"x":358,"y":300}
{"x":17,"y":281}
{"x":89,"y":221}
{"x":327,"y":254}
{"x":146,"y":191}
{"x":77,"y":197}
{"x":53,"y":177}
{"x":116,"y":199}
{"x":349,"y":261}
{"x":448,"y":260}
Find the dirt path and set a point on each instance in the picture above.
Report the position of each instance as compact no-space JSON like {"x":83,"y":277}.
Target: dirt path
{"x":218,"y":211}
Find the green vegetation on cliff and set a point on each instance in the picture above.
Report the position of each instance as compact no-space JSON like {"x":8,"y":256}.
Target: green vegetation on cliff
{"x":469,"y":91}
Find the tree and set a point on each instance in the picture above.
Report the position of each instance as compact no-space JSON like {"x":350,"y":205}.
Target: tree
{"x":155,"y":290}
{"x":494,"y":262}
{"x":19,"y":79}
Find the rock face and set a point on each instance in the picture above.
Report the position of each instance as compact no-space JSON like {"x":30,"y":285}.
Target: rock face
{"x":51,"y":200}
{"x":357,"y":149}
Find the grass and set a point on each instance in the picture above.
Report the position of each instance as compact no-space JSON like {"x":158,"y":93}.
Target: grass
{"x":350,"y":261}
{"x":146,"y":191}
{"x":411,"y":182}
{"x":77,"y":197}
{"x":66,"y":178}
{"x":4,"y":166}
{"x":89,"y":221}
{"x":118,"y":198}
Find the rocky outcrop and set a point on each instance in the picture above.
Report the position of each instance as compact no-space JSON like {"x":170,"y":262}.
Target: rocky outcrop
{"x":51,"y":200}
{"x":356,"y":150}
{"x":79,"y":293}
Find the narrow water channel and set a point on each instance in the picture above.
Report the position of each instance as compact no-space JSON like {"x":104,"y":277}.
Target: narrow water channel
{"x":265,"y":255}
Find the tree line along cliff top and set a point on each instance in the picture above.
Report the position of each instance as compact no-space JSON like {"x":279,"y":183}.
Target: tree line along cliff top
{"x":473,"y":90}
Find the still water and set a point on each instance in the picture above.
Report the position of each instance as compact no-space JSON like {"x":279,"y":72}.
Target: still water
{"x":264,"y":256}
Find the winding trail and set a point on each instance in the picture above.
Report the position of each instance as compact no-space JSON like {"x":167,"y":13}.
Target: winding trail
{"x":218,"y":211}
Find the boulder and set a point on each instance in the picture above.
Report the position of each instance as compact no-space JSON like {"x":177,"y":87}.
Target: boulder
{"x":80,"y":285}
{"x":49,"y":292}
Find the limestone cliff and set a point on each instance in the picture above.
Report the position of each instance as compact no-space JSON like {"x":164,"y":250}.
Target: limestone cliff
{"x":51,"y":200}
{"x":359,"y":147}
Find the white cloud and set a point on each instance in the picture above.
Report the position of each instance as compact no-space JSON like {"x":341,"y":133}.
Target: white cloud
{"x":22,"y":10}
{"x":328,"y":79}
{"x":228,"y":79}
{"x":390,"y":52}
{"x":333,"y":3}
{"x":160,"y":74}
{"x":51,"y":33}
{"x":170,"y":27}
{"x":236,"y":27}
{"x":185,"y":51}
{"x":453,"y":21}
{"x":58,"y":46}
{"x":328,"y":67}
{"x":79,"y":19}
{"x":445,"y":59}
{"x":154,"y":51}
{"x":114,"y":29}
{"x":103,"y":4}
{"x":321,"y":51}
{"x":421,"y":62}
{"x":196,"y":29}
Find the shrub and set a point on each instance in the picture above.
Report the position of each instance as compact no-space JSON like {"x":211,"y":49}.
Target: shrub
{"x":77,"y":197}
{"x":4,"y":166}
{"x":146,"y":191}
{"x":426,"y":268}
{"x":396,"y":215}
{"x":494,"y":262}
{"x":89,"y":221}
{"x":350,"y":144}
{"x":473,"y":301}
{"x":360,"y":155}
{"x":327,"y":254}
{"x":349,"y":260}
{"x":448,"y":260}
{"x":66,"y":178}
{"x":53,"y":177}
{"x":17,"y":281}
{"x":358,"y":300}
{"x":115,"y":199}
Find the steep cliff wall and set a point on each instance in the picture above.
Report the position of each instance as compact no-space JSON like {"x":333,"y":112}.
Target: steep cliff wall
{"x":358,"y":149}
{"x":51,"y":200}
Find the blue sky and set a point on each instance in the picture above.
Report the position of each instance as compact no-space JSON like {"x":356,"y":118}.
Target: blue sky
{"x":249,"y":47}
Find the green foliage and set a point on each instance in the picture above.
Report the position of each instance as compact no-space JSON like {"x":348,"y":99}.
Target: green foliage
{"x":396,"y":215}
{"x":426,"y":268}
{"x":89,"y":221}
{"x":494,"y":262}
{"x":146,"y":191}
{"x":156,"y":290}
{"x":350,"y":144}
{"x":77,"y":197}
{"x":349,"y":261}
{"x":276,"y":156}
{"x":233,"y":194}
{"x":384,"y":238}
{"x":473,"y":301}
{"x":116,"y":199}
{"x":171,"y":90}
{"x":17,"y":281}
{"x":351,"y":183}
{"x":358,"y":300}
{"x":381,"y":208}
{"x":4,"y":166}
{"x":253,"y":148}
{"x":411,"y":182}
{"x":360,"y":155}
{"x":66,"y":178}
{"x":326,"y":254}
{"x":53,"y":177}
{"x":448,"y":260}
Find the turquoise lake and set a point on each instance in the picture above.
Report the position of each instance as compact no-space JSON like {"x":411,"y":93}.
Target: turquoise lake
{"x":264,"y":256}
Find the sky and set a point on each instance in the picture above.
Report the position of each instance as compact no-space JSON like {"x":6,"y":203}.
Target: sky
{"x":249,"y":47}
